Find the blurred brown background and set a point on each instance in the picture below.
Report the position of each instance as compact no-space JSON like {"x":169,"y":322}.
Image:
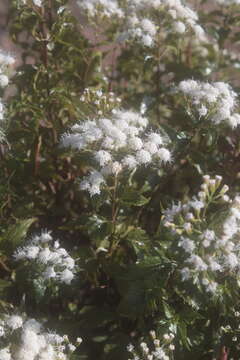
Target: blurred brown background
{"x":4,"y":39}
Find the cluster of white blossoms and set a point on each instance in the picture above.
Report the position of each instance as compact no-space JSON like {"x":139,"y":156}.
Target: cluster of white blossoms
{"x":180,"y":17}
{"x":6,"y":60}
{"x":119,"y":143}
{"x":38,"y":3}
{"x":25,"y":339}
{"x":171,"y":16}
{"x":206,"y":251}
{"x":216,"y":101}
{"x":162,"y":350}
{"x":107,"y":8}
{"x":53,"y":261}
{"x":104,"y":102}
{"x":143,"y":30}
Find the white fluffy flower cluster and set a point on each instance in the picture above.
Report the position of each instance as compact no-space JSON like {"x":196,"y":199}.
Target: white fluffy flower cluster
{"x":206,"y":251}
{"x":25,"y":339}
{"x":184,"y":17}
{"x":6,"y":60}
{"x":159,"y":352}
{"x":180,"y":17}
{"x":119,"y":143}
{"x":53,"y":261}
{"x":140,"y":24}
{"x":141,"y":29}
{"x":215,"y":101}
{"x":106,"y":7}
{"x":38,"y":3}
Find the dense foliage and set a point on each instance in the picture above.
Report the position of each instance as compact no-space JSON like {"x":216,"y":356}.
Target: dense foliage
{"x":119,"y":195}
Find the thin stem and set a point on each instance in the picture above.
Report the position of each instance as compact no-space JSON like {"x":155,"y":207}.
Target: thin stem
{"x":114,"y":203}
{"x":115,"y":209}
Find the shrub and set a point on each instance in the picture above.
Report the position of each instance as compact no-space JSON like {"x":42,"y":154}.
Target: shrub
{"x":120,"y":207}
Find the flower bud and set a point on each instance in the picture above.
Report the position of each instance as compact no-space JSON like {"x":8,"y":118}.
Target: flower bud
{"x":204,"y":187}
{"x":206,"y":178}
{"x":153,"y":334}
{"x":79,"y":340}
{"x":187,"y":227}
{"x":224,"y":189}
{"x":166,"y":337}
{"x":225,"y":198}
{"x":189,"y":216}
{"x":156,"y":342}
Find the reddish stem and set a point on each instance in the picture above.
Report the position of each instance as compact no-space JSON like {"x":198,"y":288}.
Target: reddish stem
{"x":223,"y":354}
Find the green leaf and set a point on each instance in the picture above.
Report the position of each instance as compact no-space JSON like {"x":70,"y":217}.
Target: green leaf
{"x":141,"y":287}
{"x":133,"y":198}
{"x":167,"y":310}
{"x":182,"y":329}
{"x":16,"y":234}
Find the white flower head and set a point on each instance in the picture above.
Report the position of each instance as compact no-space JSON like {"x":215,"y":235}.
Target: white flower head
{"x":66,"y":276}
{"x":206,"y":97}
{"x":5,"y":354}
{"x":49,"y":273}
{"x":103,"y":157}
{"x":14,"y":322}
{"x":122,"y":144}
{"x":197,"y":262}
{"x":37,"y":3}
{"x":164,"y":155}
{"x":187,"y":244}
{"x":179,"y":27}
{"x":33,"y":325}
{"x":3,"y":80}
{"x":143,"y":157}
